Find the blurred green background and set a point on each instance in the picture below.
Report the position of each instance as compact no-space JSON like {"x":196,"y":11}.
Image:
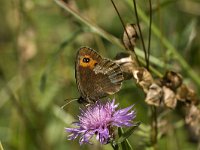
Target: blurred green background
{"x":38,"y":45}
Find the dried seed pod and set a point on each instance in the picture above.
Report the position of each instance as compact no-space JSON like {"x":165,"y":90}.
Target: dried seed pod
{"x":172,"y":80}
{"x":154,"y":95}
{"x":127,"y":64}
{"x":130,"y":39}
{"x":169,"y":97}
{"x":192,"y":97}
{"x":143,"y":78}
{"x":193,"y":119}
{"x":182,"y":92}
{"x":186,"y":95}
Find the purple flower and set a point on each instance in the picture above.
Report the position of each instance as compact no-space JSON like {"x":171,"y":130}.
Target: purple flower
{"x":99,"y":119}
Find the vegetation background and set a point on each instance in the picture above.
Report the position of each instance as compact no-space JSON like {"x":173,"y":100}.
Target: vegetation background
{"x":38,"y":45}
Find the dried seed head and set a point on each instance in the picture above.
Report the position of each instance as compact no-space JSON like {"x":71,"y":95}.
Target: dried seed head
{"x":169,"y":97}
{"x":193,"y":119}
{"x":143,"y":78}
{"x":186,"y":95}
{"x":130,"y":39}
{"x":127,"y":64}
{"x":154,"y":95}
{"x":172,"y":80}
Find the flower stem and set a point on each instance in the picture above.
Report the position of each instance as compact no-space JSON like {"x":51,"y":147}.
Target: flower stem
{"x":114,"y":146}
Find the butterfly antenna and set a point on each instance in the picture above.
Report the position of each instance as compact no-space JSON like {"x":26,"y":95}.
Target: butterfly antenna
{"x":122,"y":22}
{"x":71,"y":100}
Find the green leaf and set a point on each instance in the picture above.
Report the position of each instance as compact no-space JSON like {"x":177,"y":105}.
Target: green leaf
{"x":125,"y":144}
{"x":125,"y":135}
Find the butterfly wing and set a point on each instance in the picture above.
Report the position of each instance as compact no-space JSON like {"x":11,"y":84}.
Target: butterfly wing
{"x":97,"y":78}
{"x":82,"y":73}
{"x":110,"y":75}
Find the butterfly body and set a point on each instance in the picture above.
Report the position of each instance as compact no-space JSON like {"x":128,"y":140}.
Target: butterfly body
{"x":96,"y":77}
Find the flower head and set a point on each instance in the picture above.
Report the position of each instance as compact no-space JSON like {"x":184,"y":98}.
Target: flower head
{"x":99,"y":119}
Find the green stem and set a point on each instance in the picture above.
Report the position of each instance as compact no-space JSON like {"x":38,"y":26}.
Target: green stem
{"x":115,"y":146}
{"x":154,"y":127}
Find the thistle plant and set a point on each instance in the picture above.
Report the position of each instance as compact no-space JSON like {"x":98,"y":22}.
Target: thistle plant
{"x":101,"y":119}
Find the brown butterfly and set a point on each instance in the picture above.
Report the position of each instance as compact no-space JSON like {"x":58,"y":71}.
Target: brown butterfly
{"x":96,"y":77}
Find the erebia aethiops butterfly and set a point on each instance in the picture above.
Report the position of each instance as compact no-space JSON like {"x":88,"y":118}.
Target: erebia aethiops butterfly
{"x":96,"y":77}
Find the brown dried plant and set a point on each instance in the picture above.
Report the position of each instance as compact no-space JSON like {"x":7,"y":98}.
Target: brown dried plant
{"x":168,"y":91}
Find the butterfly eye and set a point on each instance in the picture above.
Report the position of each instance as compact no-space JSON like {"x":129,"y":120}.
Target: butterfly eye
{"x":86,"y":60}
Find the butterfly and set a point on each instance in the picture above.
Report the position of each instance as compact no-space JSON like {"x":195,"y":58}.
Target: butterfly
{"x":96,"y":77}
